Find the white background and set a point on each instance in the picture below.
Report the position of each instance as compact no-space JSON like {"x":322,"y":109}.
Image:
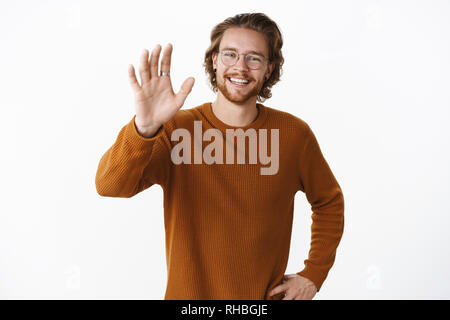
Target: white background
{"x":371,"y":78}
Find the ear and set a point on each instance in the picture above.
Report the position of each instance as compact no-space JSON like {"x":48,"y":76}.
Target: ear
{"x":270,"y":70}
{"x":214,"y":59}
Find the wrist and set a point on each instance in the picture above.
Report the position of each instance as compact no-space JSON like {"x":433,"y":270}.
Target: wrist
{"x":147,"y":131}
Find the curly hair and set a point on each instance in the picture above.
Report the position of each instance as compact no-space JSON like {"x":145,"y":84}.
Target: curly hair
{"x":257,"y":22}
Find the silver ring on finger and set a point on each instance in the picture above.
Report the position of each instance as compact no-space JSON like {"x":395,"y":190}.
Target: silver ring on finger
{"x":165,"y":74}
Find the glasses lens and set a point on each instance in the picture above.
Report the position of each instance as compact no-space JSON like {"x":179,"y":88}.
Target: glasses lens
{"x":254,"y":61}
{"x":229,"y":57}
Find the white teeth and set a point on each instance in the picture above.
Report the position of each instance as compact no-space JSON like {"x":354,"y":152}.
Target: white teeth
{"x":238,"y":80}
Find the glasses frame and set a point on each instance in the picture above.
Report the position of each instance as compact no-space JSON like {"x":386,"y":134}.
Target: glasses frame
{"x":239,"y":56}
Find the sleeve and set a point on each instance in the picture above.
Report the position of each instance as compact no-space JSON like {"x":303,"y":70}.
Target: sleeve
{"x":134,"y":163}
{"x":327,"y":203}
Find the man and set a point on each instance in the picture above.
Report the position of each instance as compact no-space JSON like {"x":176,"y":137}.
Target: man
{"x":228,"y":225}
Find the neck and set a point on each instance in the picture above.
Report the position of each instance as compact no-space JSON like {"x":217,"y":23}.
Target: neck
{"x":236,"y":114}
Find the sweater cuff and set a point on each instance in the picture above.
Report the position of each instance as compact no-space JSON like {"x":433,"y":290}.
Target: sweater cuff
{"x":140,"y":139}
{"x":315,"y":274}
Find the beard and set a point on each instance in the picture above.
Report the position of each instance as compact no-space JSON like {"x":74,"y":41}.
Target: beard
{"x":239,"y":95}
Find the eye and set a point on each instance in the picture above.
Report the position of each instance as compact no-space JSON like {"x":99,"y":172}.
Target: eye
{"x":229,"y":53}
{"x":255,"y":58}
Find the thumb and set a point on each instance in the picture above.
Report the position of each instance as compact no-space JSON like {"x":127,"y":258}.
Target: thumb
{"x":186,"y":88}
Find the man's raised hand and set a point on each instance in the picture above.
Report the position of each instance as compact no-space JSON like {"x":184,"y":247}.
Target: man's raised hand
{"x":155,"y":101}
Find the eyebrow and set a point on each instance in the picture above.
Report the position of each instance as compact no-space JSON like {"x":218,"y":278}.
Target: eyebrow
{"x":253,"y":51}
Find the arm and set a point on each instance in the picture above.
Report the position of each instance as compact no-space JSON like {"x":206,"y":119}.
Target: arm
{"x":134,"y":163}
{"x":327,"y":203}
{"x":140,"y":157}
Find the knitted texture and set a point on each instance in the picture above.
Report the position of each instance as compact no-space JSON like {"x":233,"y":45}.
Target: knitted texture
{"x":228,"y":227}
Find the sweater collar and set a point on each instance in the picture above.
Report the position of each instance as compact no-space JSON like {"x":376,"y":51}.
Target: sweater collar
{"x":207,"y":111}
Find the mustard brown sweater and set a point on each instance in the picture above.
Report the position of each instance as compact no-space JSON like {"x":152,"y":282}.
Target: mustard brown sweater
{"x":228,"y":227}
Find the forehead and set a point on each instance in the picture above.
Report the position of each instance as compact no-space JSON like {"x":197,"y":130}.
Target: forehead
{"x":244,"y":40}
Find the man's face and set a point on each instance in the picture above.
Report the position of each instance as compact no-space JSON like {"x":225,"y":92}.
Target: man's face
{"x":243,"y":41}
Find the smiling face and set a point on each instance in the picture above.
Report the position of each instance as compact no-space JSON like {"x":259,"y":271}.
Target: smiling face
{"x":243,"y":41}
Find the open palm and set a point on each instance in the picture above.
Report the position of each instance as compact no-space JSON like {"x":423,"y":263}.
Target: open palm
{"x":155,"y":101}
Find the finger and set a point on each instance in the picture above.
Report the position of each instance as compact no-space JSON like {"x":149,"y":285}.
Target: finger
{"x":186,"y":88}
{"x":154,"y":59}
{"x":302,"y":296}
{"x":289,"y":296}
{"x":143,"y":68}
{"x":132,"y":77}
{"x":167,"y":58}
{"x":278,"y":289}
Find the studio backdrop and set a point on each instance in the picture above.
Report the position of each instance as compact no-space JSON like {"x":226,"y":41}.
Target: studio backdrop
{"x":371,"y":79}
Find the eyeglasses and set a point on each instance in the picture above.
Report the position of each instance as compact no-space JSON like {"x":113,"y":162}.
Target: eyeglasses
{"x":252,"y":60}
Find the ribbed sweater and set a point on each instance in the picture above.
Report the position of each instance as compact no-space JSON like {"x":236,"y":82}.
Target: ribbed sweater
{"x":227,"y":226}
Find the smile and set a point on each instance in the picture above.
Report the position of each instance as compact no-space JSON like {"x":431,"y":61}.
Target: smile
{"x":237,"y":83}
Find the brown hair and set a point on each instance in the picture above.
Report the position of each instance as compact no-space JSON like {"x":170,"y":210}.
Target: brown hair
{"x":257,"y":22}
